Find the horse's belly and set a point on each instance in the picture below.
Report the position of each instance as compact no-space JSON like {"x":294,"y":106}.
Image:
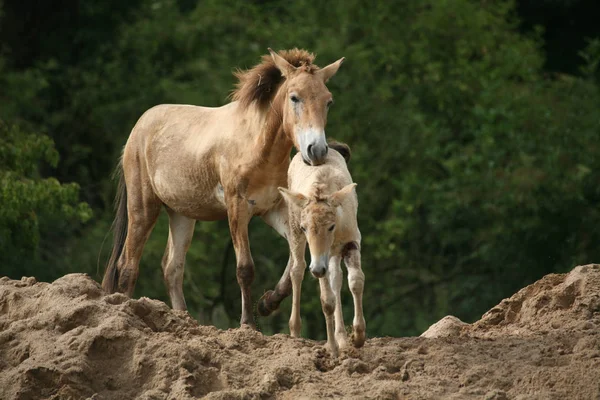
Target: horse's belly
{"x":190,"y":197}
{"x":204,"y":212}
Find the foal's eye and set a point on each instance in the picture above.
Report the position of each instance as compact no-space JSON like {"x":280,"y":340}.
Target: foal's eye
{"x":332,"y":227}
{"x":294,"y":98}
{"x":303,"y":229}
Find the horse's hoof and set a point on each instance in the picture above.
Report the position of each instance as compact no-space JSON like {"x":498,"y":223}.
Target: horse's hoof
{"x":261,"y":307}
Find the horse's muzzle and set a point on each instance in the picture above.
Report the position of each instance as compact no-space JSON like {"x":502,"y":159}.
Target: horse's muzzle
{"x":317,"y":152}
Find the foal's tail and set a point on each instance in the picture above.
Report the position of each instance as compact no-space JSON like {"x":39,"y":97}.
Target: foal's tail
{"x":341,"y":148}
{"x":110,"y":282}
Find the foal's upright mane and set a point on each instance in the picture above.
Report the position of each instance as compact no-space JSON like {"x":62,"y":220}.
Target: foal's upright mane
{"x":260,"y":83}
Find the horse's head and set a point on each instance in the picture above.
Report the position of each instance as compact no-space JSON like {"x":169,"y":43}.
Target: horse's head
{"x":306,"y":101}
{"x":318,"y":218}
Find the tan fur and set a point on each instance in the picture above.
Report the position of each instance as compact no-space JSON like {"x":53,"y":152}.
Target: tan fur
{"x":318,"y":199}
{"x":207,"y":164}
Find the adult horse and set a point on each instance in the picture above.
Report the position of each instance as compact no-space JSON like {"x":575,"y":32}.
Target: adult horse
{"x":214,"y":163}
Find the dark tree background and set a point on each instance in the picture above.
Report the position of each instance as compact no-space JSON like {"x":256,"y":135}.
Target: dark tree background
{"x":474,"y":127}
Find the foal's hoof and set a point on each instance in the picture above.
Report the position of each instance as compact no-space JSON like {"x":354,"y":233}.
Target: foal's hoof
{"x":358,"y":339}
{"x":250,"y":326}
{"x":263,"y":309}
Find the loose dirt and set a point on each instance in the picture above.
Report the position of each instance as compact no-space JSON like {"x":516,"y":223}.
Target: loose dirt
{"x":67,"y":340}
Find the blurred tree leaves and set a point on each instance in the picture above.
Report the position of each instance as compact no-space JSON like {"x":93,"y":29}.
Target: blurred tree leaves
{"x":30,"y":202}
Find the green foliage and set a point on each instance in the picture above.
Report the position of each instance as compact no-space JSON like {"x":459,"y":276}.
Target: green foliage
{"x":28,"y":200}
{"x":477,"y":170}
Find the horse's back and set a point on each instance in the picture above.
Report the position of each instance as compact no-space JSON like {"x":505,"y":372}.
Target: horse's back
{"x":163,"y":116}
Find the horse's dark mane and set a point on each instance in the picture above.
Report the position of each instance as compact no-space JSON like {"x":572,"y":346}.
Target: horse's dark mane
{"x":260,"y":83}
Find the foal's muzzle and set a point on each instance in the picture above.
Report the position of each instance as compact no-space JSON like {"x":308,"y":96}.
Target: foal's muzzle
{"x":318,"y":268}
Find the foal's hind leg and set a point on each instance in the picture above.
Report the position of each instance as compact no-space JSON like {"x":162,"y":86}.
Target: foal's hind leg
{"x":181,"y":231}
{"x":356,"y":282}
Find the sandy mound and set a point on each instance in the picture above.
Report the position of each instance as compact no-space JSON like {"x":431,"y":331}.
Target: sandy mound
{"x":66,"y":340}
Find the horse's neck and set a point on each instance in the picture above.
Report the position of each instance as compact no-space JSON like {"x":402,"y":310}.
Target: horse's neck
{"x":272,"y":145}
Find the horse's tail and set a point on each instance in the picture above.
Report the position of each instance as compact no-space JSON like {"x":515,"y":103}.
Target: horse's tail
{"x":341,"y":148}
{"x":110,"y":282}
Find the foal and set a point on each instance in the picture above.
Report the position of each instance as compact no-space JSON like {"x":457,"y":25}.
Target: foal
{"x":322,"y":206}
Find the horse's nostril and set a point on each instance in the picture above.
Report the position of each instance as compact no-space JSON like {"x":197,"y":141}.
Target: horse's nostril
{"x":309,"y":149}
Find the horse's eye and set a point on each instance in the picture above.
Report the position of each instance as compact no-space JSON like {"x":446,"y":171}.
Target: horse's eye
{"x":294,"y":98}
{"x":303,"y":229}
{"x":332,"y":227}
{"x":329,"y":103}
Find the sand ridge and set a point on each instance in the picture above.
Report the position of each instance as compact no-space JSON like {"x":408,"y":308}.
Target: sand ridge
{"x":67,"y":340}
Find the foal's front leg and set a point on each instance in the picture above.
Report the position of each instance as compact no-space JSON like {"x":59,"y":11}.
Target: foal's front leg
{"x":239,"y":216}
{"x":334,"y":274}
{"x":356,"y":282}
{"x":328,"y":305}
{"x":297,"y":249}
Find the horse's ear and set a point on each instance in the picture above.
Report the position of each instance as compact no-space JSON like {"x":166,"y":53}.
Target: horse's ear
{"x":327,"y":72}
{"x":281,"y":63}
{"x":293,"y":198}
{"x":337,"y":198}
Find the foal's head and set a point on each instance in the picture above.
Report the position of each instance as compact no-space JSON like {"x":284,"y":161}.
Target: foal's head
{"x":306,"y":101}
{"x":318,"y":219}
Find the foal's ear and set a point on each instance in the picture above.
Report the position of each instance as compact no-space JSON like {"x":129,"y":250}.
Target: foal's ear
{"x":337,"y":198}
{"x":293,"y":198}
{"x":281,"y":63}
{"x":327,"y":72}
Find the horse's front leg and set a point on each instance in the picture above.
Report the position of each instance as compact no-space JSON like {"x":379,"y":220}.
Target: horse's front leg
{"x":277,"y":218}
{"x":239,"y":216}
{"x":356,"y":282}
{"x":271,"y":300}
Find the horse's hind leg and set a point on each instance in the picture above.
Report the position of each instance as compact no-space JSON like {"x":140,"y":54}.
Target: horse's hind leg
{"x":181,"y":231}
{"x":143,"y":209}
{"x":356,"y":282}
